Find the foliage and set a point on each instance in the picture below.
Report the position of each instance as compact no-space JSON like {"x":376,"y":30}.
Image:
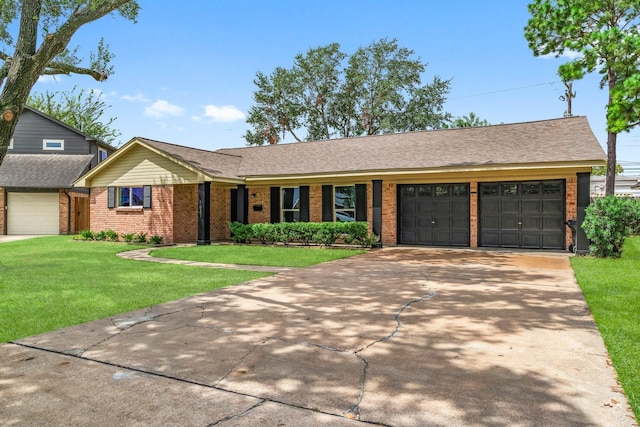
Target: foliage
{"x":466,"y":121}
{"x":86,"y":235}
{"x":322,"y":233}
{"x":128,"y":237}
{"x":80,"y":111}
{"x":606,"y":38}
{"x":328,"y":94}
{"x":601,"y":170}
{"x":611,"y":289}
{"x":140,"y":238}
{"x":155,"y":239}
{"x":30,"y":305}
{"x":280,"y":256}
{"x":34,"y":39}
{"x":112,"y":236}
{"x":608,"y":222}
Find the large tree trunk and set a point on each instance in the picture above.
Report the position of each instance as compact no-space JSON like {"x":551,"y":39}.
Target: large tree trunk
{"x":610,"y":187}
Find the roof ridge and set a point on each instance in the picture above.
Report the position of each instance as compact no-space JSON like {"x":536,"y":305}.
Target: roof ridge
{"x":185,"y":147}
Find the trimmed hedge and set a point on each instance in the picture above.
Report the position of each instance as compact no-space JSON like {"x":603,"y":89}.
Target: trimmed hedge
{"x":321,"y":233}
{"x":608,"y":222}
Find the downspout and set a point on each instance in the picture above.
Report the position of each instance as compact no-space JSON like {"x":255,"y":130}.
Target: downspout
{"x":66,"y":191}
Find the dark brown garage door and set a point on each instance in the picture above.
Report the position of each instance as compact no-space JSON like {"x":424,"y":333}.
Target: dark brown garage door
{"x":434,"y":214}
{"x":522,"y":214}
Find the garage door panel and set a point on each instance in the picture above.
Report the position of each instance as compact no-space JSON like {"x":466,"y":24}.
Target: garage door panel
{"x":33,"y":213}
{"x":531,"y":214}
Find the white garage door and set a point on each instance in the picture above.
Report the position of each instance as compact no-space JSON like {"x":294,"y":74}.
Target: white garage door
{"x":33,"y":213}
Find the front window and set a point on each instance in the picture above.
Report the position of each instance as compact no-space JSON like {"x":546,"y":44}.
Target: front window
{"x":53,"y":144}
{"x":102,"y":155}
{"x":345,"y":203}
{"x":291,"y":204}
{"x":130,"y":196}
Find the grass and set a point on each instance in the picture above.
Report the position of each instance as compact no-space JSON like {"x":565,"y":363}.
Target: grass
{"x":612,"y":290}
{"x":256,"y":254}
{"x":52,"y":282}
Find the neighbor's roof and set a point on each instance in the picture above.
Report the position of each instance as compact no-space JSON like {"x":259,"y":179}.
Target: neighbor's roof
{"x":42,"y":170}
{"x":569,"y":140}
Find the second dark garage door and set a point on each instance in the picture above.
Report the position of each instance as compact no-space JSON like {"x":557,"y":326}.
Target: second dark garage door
{"x":522,"y":214}
{"x":434,"y":214}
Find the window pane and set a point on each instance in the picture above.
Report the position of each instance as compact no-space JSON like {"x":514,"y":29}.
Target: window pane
{"x":345,"y":215}
{"x":459,"y":190}
{"x":345,"y":197}
{"x":290,"y":216}
{"x":509,"y":189}
{"x":424,"y":190}
{"x":551,"y":188}
{"x":137,"y":196}
{"x":490,"y":190}
{"x":442,"y":191}
{"x":530,"y":189}
{"x":124,"y":196}
{"x":291,"y":198}
{"x":408,"y":191}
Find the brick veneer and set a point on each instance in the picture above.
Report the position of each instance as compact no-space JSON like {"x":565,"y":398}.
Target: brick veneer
{"x":220,"y":213}
{"x":571,"y":206}
{"x":3,"y":214}
{"x":185,"y":213}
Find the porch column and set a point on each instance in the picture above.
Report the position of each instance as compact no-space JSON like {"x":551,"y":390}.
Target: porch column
{"x":204,"y":213}
{"x":376,"y":225}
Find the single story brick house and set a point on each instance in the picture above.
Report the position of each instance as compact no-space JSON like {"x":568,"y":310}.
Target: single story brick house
{"x":509,"y":185}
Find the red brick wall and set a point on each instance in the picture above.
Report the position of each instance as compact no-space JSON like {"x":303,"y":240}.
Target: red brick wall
{"x":315,"y":203}
{"x":63,"y":207}
{"x":155,"y":221}
{"x":221,"y":213}
{"x":389,"y":214}
{"x":262,"y":197}
{"x":473,"y":214}
{"x":185,"y":213}
{"x":571,"y":209}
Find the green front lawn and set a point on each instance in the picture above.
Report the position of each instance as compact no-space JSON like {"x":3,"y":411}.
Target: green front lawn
{"x":283,"y":256}
{"x":612,"y":290}
{"x":52,"y":282}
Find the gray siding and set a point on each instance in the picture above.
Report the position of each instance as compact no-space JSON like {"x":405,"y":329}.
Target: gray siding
{"x":33,"y":128}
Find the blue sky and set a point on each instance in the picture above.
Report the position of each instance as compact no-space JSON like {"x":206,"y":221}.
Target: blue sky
{"x":184,"y":73}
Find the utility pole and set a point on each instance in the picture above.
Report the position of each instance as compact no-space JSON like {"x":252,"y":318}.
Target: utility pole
{"x":568,"y":96}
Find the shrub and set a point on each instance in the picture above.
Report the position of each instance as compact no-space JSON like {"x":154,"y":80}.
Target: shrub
{"x":111,"y":235}
{"x":155,"y":239}
{"x":140,"y":238}
{"x":240,"y":233}
{"x":608,"y":222}
{"x":128,"y":237}
{"x":86,"y":235}
{"x":328,"y":233}
{"x":100,"y":235}
{"x":260,"y":232}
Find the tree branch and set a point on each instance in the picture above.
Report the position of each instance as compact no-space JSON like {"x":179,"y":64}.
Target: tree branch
{"x":54,"y":68}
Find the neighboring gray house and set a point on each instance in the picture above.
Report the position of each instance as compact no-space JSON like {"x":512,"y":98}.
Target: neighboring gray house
{"x":44,"y":158}
{"x":625,"y":186}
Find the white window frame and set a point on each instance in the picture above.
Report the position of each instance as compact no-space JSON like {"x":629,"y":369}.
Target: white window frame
{"x":10,"y":144}
{"x":102,"y":150}
{"x":335,"y":211}
{"x":294,"y":210}
{"x":55,"y":141}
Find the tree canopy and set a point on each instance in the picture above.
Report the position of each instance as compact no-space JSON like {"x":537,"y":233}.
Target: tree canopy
{"x":34,"y":39}
{"x":606,"y":37}
{"x":329,"y":94}
{"x":80,"y":110}
{"x":467,"y":121}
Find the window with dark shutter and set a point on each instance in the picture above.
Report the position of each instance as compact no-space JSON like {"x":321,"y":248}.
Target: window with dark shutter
{"x":361,"y":202}
{"x":327,"y":203}
{"x":146,"y":197}
{"x":304,"y":203}
{"x":111,"y":197}
{"x":275,"y":205}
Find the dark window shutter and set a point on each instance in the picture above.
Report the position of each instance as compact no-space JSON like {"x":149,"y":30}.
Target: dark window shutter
{"x":111,"y":197}
{"x":304,"y":203}
{"x":234,"y":202}
{"x":361,"y":202}
{"x":146,"y":197}
{"x":327,"y":203}
{"x":275,"y":204}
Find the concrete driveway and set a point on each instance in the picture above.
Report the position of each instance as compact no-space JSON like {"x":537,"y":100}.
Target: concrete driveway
{"x":399,"y":336}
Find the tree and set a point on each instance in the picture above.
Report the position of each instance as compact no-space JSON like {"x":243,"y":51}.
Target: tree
{"x":78,"y":111}
{"x":44,"y":30}
{"x":466,"y":121}
{"x":606,"y":36}
{"x":602,"y":170}
{"x":328,"y":94}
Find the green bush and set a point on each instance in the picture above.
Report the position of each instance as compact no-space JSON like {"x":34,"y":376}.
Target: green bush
{"x":111,"y":235}
{"x":86,"y":235}
{"x":240,"y":233}
{"x":100,"y":235}
{"x":328,"y":233}
{"x":128,"y":237}
{"x":140,"y":238}
{"x":155,"y":239}
{"x":260,"y":232}
{"x":608,"y":222}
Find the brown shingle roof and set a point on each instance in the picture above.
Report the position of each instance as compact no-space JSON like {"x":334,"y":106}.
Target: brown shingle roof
{"x":557,"y":140}
{"x":42,"y":170}
{"x":215,"y":164}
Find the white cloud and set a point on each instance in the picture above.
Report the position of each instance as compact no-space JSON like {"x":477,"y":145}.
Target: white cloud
{"x":137,"y":97}
{"x":223,"y":114}
{"x":569,"y":54}
{"x":161,"y":109}
{"x":49,"y":79}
